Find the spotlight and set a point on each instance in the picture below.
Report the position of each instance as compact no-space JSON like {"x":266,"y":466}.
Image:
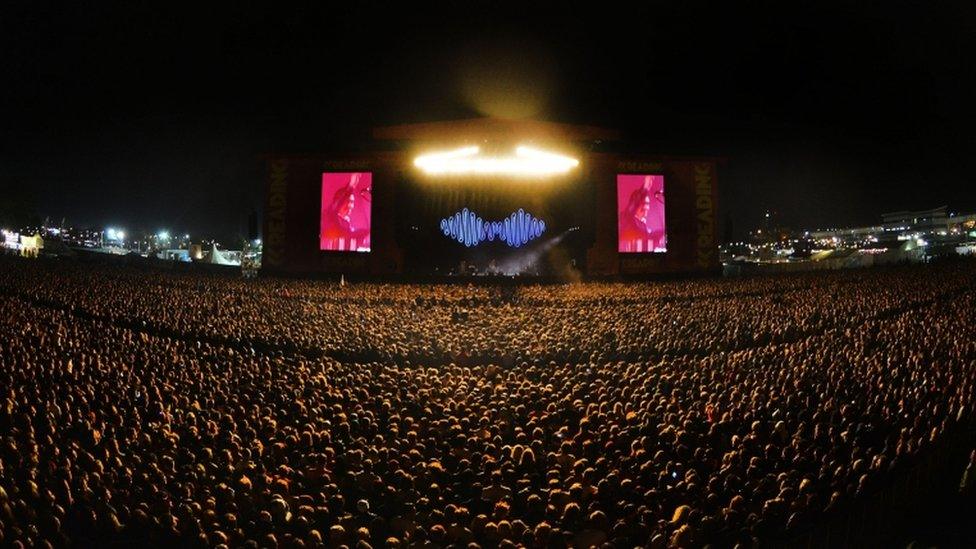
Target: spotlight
{"x":526,"y":162}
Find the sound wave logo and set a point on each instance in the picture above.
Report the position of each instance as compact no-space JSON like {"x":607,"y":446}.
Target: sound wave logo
{"x":470,"y":229}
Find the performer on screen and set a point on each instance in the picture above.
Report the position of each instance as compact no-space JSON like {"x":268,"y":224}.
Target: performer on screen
{"x":346,"y":219}
{"x":641,"y":226}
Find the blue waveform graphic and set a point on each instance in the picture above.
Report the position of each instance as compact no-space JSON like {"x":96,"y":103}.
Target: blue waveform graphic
{"x":470,"y":229}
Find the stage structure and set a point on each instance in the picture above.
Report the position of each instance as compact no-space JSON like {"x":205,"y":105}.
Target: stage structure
{"x":491,"y":196}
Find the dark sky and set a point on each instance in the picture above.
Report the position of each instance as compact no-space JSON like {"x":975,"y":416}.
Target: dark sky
{"x":143,"y":116}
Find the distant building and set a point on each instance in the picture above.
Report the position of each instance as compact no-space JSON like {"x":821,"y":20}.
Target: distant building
{"x":933,"y":217}
{"x":912,"y":236}
{"x":923,"y":225}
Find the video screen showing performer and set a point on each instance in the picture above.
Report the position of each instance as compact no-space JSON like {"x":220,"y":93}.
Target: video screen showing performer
{"x":640,"y":214}
{"x":346,"y":216}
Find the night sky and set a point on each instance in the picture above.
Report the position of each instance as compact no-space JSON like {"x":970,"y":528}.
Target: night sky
{"x":149,"y":118}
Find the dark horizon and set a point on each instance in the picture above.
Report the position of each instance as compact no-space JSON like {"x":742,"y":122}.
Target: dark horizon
{"x":134,"y":117}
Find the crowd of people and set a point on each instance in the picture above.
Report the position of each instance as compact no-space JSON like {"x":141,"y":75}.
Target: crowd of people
{"x":152,"y":408}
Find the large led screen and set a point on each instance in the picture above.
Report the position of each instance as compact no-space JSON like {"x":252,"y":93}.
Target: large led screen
{"x":346,"y":201}
{"x":640,"y":214}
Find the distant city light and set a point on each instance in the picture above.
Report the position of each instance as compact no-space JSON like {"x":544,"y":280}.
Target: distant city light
{"x":163,"y":235}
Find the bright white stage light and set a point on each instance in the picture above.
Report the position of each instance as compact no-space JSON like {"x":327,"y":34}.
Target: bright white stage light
{"x":526,"y":162}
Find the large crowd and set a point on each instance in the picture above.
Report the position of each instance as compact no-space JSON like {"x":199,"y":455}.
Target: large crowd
{"x":152,"y":408}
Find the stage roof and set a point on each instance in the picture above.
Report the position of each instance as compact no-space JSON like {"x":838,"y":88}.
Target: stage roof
{"x":492,"y":128}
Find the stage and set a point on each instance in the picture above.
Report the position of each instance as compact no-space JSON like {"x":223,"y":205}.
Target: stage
{"x":491,"y":198}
